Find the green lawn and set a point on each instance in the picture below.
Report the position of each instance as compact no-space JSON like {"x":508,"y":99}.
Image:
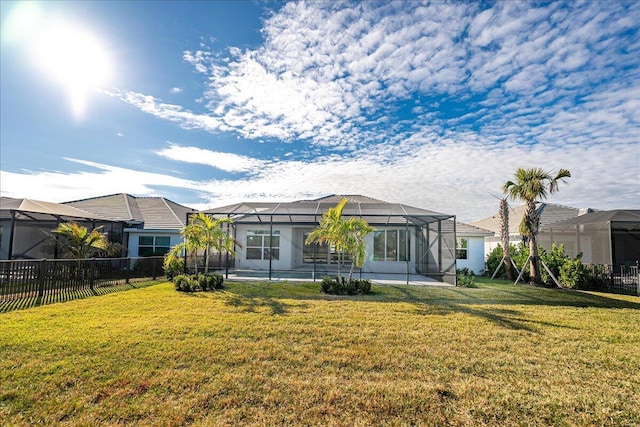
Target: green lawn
{"x":284,"y":354}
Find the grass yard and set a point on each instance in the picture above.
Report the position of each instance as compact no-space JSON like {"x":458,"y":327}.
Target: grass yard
{"x":284,"y":354}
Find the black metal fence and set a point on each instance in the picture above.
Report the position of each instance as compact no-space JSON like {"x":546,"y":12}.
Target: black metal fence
{"x":622,"y":279}
{"x":21,"y":279}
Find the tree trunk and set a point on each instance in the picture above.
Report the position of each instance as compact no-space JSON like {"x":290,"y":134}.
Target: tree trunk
{"x":504,"y":237}
{"x":353,"y":264}
{"x":195,"y":261}
{"x":206,"y":260}
{"x":534,"y":267}
{"x":533,"y":223}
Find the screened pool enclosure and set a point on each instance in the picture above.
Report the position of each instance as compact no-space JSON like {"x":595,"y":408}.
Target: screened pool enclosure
{"x":270,"y":240}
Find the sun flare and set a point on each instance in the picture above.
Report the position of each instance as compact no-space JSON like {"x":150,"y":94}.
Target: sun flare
{"x":63,"y":51}
{"x":73,"y":58}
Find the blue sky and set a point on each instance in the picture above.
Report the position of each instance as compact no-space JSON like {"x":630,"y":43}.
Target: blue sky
{"x":210,"y":103}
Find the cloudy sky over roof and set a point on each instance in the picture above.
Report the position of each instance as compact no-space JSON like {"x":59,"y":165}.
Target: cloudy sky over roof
{"x":211,"y":103}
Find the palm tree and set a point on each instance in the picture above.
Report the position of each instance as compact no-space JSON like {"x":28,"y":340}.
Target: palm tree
{"x":202,"y":233}
{"x":529,"y":186}
{"x":191,"y":243}
{"x":79,"y":242}
{"x":213,"y":236}
{"x":355,"y":230}
{"x":344,"y":236}
{"x":504,"y":237}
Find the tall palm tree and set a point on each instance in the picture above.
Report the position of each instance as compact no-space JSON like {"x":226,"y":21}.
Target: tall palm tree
{"x":344,"y":236}
{"x":530,"y":186}
{"x":79,"y":242}
{"x":213,"y":236}
{"x":504,"y":237}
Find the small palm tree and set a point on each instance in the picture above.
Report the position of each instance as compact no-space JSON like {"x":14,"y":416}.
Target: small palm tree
{"x":213,"y":236}
{"x":355,"y":230}
{"x":530,"y":186}
{"x":202,"y":233}
{"x":344,"y":236}
{"x":79,"y":242}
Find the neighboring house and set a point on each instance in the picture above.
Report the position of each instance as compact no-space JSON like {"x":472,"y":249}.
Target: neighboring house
{"x":605,"y":237}
{"x":26,"y":227}
{"x":470,"y":247}
{"x":549,"y":214}
{"x":152,"y":223}
{"x":407,"y":240}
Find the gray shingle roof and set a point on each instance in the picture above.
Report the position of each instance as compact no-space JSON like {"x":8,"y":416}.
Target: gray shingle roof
{"x":150,"y":212}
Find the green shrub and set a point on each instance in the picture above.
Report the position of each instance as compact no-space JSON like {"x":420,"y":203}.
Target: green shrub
{"x":173,"y":266}
{"x":492,"y":262}
{"x":574,"y":274}
{"x":209,"y":282}
{"x":495,"y":256}
{"x":200,"y":282}
{"x":342,"y":286}
{"x":466,"y":278}
{"x":184,"y":283}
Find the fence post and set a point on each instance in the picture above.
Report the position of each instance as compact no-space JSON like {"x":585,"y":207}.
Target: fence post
{"x":41,"y":271}
{"x":153,"y":268}
{"x":127,"y":266}
{"x":92,"y":267}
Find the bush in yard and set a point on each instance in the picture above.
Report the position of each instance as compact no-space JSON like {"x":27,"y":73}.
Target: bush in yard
{"x":495,"y":256}
{"x":466,"y":278}
{"x":209,"y":282}
{"x":199,"y":282}
{"x":173,"y":266}
{"x":342,"y":286}
{"x":183,"y":283}
{"x":574,"y":275}
{"x":554,"y":260}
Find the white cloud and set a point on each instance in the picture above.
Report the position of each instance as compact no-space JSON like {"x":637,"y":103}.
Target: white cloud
{"x":228,"y":162}
{"x":550,"y":85}
{"x":176,"y":90}
{"x":65,"y":186}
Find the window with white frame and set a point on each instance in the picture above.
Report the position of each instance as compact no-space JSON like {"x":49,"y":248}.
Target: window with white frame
{"x":462,"y":248}
{"x":153,"y":245}
{"x":260,"y":243}
{"x":390,"y":245}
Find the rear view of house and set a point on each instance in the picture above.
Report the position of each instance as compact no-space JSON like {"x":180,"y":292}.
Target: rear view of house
{"x":408,"y":240}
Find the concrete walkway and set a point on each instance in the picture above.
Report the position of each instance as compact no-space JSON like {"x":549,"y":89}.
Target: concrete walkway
{"x":376,"y":278}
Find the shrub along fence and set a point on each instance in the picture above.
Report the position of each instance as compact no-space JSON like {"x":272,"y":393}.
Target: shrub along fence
{"x":21,"y":279}
{"x":621,"y":279}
